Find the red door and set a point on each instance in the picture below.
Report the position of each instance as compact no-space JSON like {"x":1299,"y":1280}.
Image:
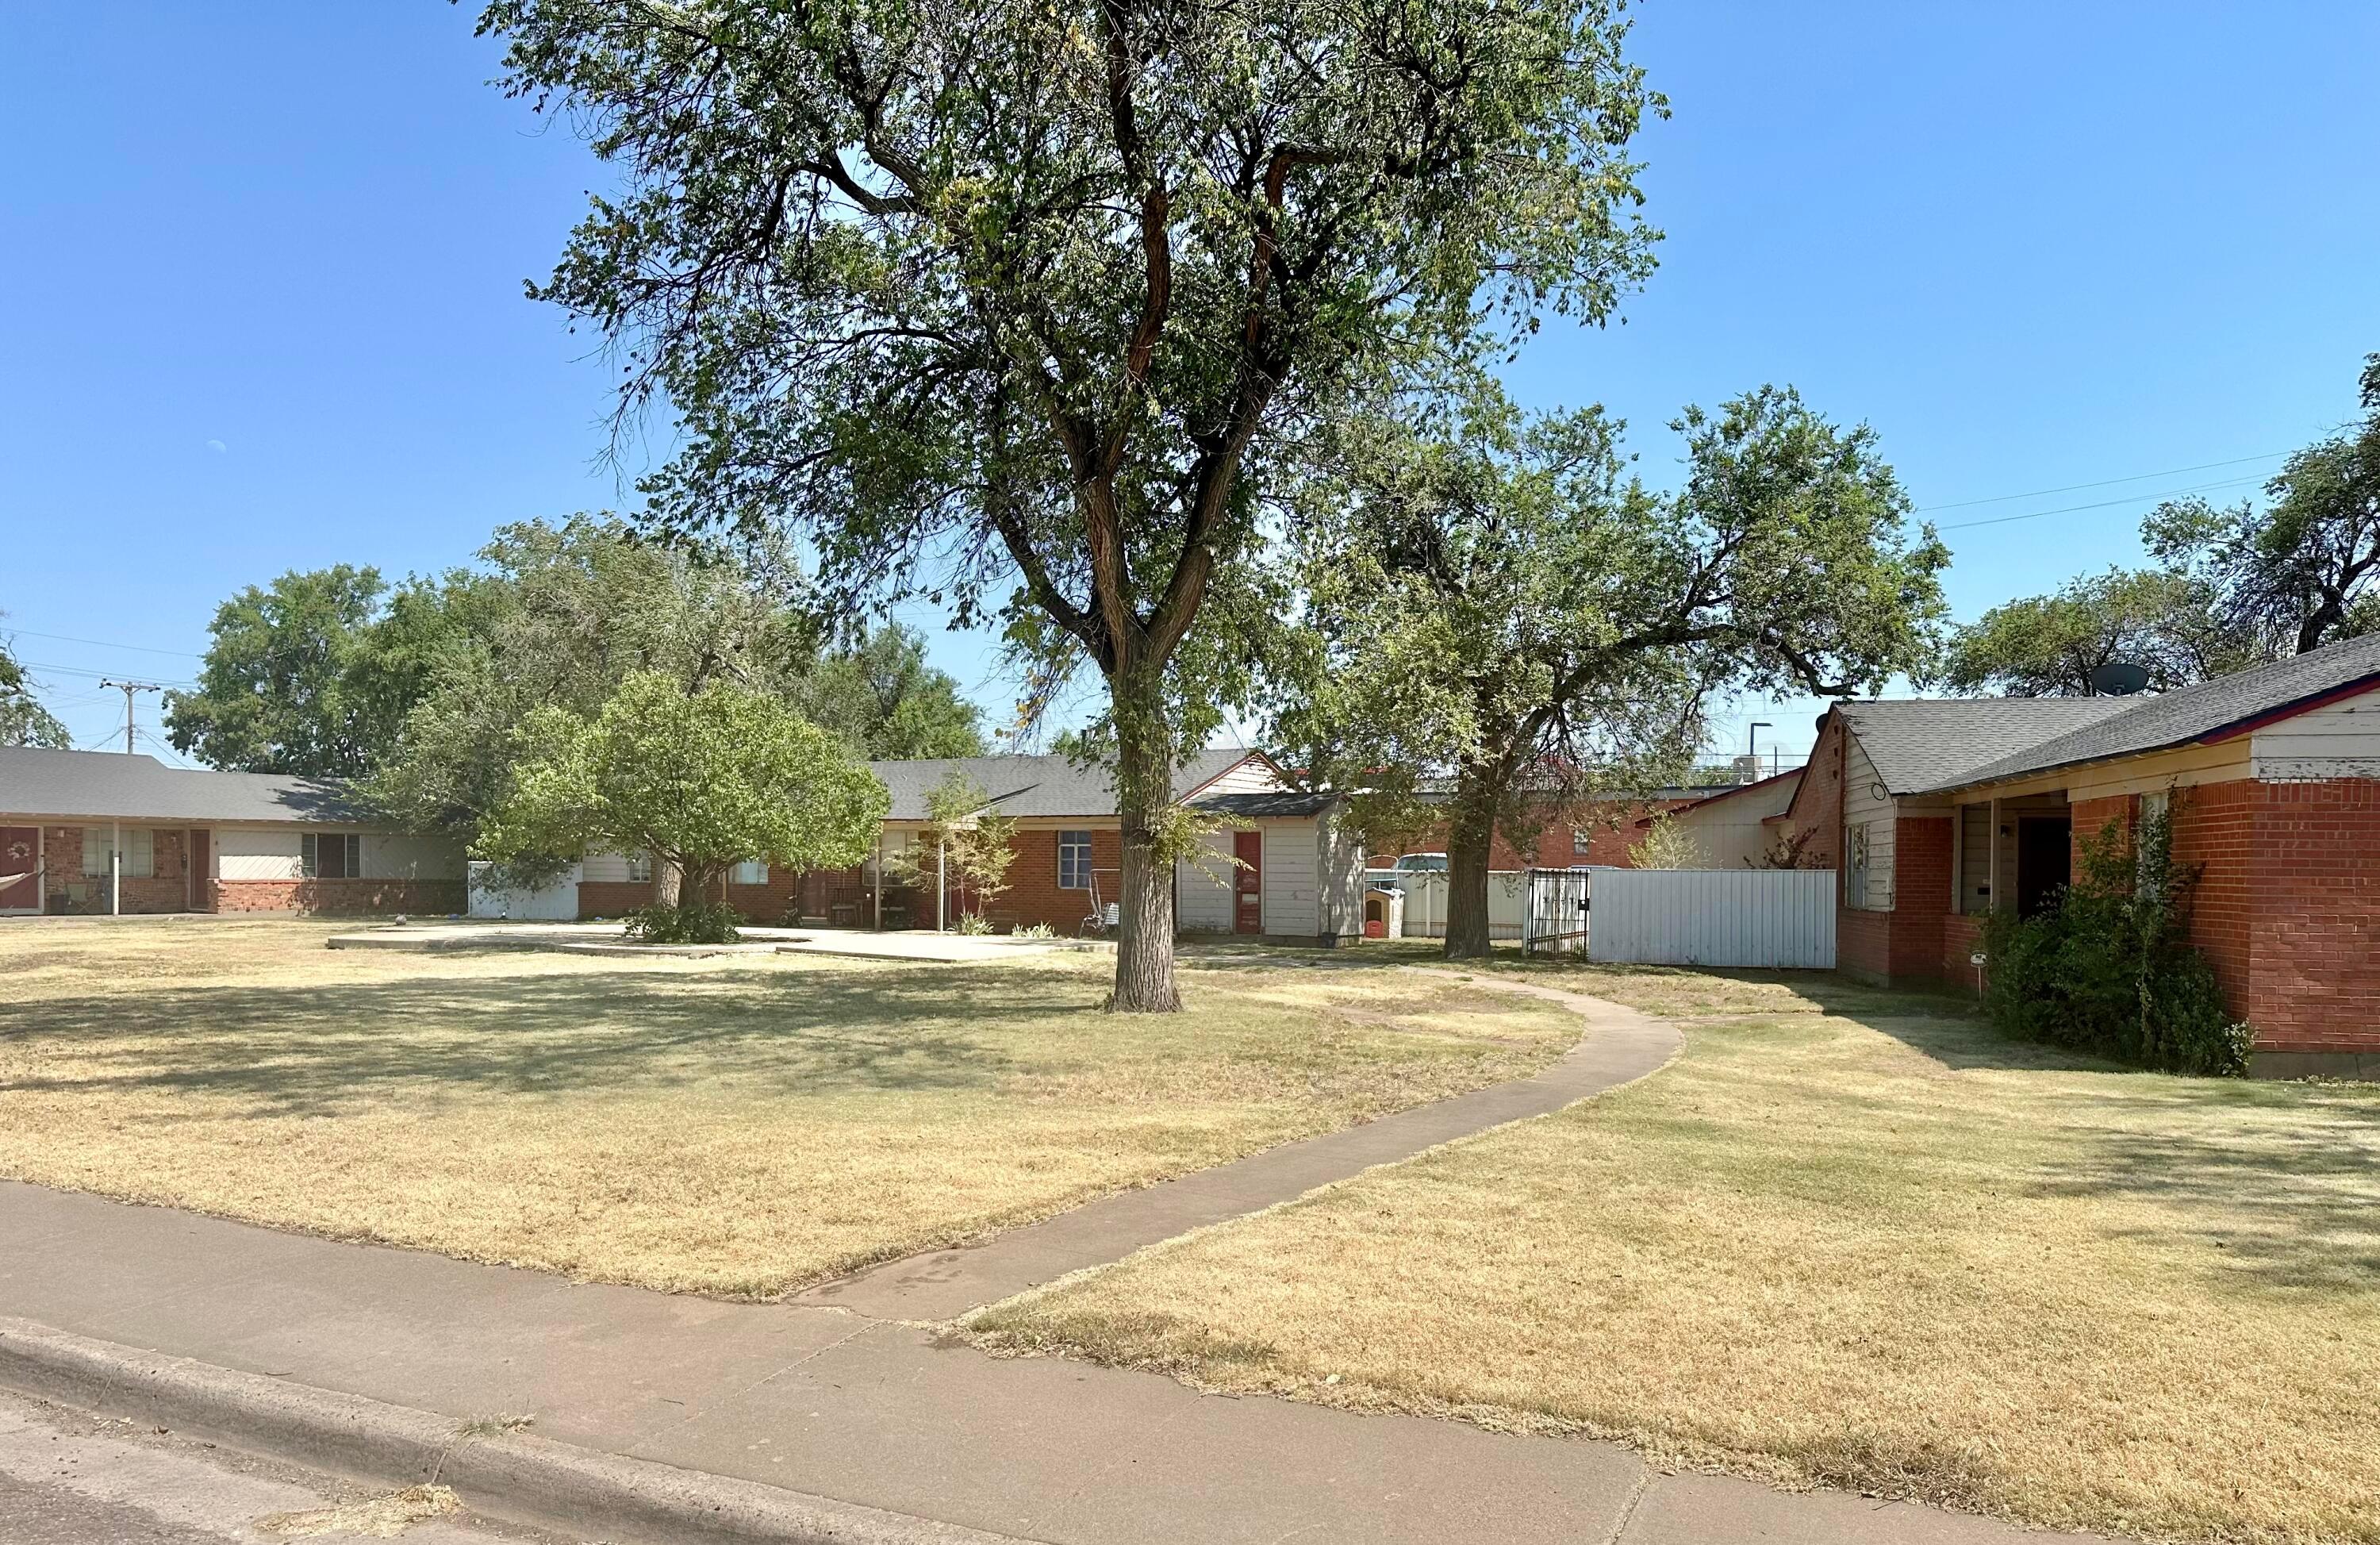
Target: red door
{"x":20,"y":867}
{"x":202,"y":871}
{"x":1247,"y":901}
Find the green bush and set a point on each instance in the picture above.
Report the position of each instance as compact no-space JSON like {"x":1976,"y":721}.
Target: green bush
{"x":690,"y":923}
{"x":2108,"y":968}
{"x":974,"y":922}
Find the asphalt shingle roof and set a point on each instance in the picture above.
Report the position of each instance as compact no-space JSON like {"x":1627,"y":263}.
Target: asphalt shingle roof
{"x":2186,"y":714}
{"x":1278,"y":802}
{"x":1043,"y":786}
{"x":1929,"y":743}
{"x":115,"y":786}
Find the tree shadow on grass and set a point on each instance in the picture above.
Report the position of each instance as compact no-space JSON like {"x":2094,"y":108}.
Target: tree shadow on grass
{"x":317,"y":1049}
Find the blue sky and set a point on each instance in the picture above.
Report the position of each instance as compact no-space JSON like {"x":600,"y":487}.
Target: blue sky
{"x":264,"y":265}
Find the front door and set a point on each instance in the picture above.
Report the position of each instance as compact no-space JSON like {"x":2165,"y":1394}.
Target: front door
{"x":20,"y":869}
{"x":2044,"y":860}
{"x":1248,"y":882}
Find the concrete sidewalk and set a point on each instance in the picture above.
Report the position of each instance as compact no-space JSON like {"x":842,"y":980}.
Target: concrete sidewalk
{"x":842,"y":1395}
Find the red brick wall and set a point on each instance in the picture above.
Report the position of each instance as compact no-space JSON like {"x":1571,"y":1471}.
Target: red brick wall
{"x":1033,"y":896}
{"x":1922,"y":894}
{"x":1864,"y":944}
{"x":2215,"y":833}
{"x":168,"y":890}
{"x":1817,"y":806}
{"x":1963,"y":935}
{"x":1611,"y":830}
{"x":428,"y":897}
{"x":2314,"y":984}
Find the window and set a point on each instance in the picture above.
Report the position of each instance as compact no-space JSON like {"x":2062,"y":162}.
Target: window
{"x":1855,"y":868}
{"x":1581,"y":844}
{"x":331,"y":856}
{"x":639,"y":868}
{"x":751,"y":871}
{"x":139,"y":851}
{"x":1074,"y":861}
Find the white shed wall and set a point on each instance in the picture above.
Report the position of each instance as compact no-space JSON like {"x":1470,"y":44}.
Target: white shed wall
{"x":1291,"y":883}
{"x":1724,"y":917}
{"x":1203,"y":894}
{"x":2337,"y":740}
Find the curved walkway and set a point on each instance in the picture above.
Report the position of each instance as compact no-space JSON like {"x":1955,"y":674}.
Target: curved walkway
{"x":1621,"y":1045}
{"x":836,"y":1396}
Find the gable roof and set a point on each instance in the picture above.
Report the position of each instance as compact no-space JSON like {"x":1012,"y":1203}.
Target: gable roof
{"x":1040,"y":785}
{"x":2210,"y":710}
{"x":1770,"y":782}
{"x":111,"y":785}
{"x":1921,"y":744}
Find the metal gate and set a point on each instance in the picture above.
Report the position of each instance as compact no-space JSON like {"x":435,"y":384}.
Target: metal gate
{"x":1555,"y":911}
{"x":1735,"y":917}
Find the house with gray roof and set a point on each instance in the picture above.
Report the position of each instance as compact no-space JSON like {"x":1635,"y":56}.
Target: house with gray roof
{"x":111,"y":832}
{"x":1935,"y":812}
{"x":1276,"y":861}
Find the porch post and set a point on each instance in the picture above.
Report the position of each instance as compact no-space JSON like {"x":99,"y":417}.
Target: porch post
{"x":1994,"y":880}
{"x":116,"y":864}
{"x":879,"y":879}
{"x":941,"y":885}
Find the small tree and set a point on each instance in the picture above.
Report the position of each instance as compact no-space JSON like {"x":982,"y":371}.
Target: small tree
{"x":973,"y":846}
{"x":1667,"y":845}
{"x":700,"y":780}
{"x":23,"y":720}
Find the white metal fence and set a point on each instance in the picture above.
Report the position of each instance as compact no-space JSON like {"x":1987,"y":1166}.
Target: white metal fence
{"x":1744,"y":917}
{"x":1424,"y":892}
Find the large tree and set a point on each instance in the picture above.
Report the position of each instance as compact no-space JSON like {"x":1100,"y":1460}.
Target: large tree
{"x":2046,"y":646}
{"x":23,"y":719}
{"x":274,"y":693}
{"x":1510,"y":627}
{"x":701,"y":779}
{"x":881,"y":696}
{"x":2303,"y":569}
{"x":1017,"y":304}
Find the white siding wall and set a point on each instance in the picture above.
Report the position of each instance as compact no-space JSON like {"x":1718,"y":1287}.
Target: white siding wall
{"x":1342,"y":851}
{"x":251,"y":853}
{"x":1975,"y":858}
{"x":1253,"y":776}
{"x":1204,"y":894}
{"x":1728,"y":832}
{"x":1291,"y":891}
{"x":2337,"y":740}
{"x":604,"y":869}
{"x":1862,"y":805}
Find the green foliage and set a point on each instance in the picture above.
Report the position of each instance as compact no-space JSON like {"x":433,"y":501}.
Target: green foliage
{"x":1666,"y":846}
{"x":1024,"y":307}
{"x":2108,"y":968}
{"x":293,"y":681}
{"x":1033,"y":931}
{"x":694,"y":920}
{"x":23,"y":720}
{"x":1498,"y":607}
{"x":2049,"y":645}
{"x":883,"y":698}
{"x":560,"y":615}
{"x":2304,"y":570}
{"x":700,"y":780}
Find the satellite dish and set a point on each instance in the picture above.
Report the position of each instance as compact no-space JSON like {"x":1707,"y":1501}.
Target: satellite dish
{"x":2119,"y":679}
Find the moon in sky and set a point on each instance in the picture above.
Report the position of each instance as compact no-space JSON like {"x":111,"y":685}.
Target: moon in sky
{"x":217,"y":446}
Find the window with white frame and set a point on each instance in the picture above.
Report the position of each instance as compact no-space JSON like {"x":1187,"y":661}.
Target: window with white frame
{"x":1074,"y":861}
{"x":139,"y":851}
{"x":751,"y":871}
{"x":639,"y":868}
{"x":1855,"y":866}
{"x":331,"y":856}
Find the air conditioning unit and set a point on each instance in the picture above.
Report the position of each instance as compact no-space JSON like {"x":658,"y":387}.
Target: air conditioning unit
{"x":1747,"y":768}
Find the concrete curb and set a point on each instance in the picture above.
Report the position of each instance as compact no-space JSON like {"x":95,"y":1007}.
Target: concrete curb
{"x":510,"y":1476}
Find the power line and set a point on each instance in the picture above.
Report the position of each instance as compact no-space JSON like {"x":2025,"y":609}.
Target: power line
{"x":2106,"y":482}
{"x":93,"y":675}
{"x":101,"y":643}
{"x":2104,"y":503}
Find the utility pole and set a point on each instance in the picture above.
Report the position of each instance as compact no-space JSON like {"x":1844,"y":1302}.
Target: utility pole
{"x":128,"y":688}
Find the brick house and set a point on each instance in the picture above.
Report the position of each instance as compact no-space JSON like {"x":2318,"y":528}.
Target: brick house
{"x":1280,"y":865}
{"x":1934,"y":812}
{"x":106,"y":832}
{"x":1600,"y":835}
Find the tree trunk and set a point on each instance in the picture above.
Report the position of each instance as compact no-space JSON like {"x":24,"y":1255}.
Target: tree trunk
{"x":668,"y":880}
{"x":1470,"y":839}
{"x":1144,"y":976}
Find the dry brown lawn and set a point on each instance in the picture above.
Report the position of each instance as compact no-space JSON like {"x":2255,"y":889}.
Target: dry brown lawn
{"x":741,"y":1125}
{"x":1846,"y":1239}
